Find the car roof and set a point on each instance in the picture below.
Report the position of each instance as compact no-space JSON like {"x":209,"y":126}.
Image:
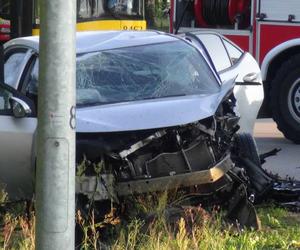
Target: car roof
{"x":90,"y":41}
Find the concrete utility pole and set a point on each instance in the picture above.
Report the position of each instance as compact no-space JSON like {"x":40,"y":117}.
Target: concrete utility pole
{"x":55,"y":178}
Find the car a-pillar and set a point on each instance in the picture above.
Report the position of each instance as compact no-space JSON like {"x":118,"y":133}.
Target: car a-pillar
{"x":284,"y":92}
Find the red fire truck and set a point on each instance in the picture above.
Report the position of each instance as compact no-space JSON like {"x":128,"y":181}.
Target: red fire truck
{"x":270,"y":31}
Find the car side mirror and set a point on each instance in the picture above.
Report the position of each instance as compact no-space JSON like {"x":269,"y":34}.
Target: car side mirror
{"x":19,"y":108}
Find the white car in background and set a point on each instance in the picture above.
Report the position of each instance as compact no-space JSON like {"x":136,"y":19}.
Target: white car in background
{"x":230,"y":61}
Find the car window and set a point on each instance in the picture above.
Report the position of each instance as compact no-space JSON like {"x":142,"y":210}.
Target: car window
{"x":216,"y":50}
{"x":137,"y":73}
{"x":13,"y":66}
{"x":4,"y":101}
{"x":32,"y":79}
{"x":29,"y":86}
{"x":233,"y":51}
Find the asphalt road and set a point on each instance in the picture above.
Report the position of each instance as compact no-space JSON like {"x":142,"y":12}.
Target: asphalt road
{"x":268,"y":137}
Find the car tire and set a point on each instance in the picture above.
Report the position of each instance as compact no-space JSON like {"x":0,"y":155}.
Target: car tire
{"x":285,"y":99}
{"x":247,"y":147}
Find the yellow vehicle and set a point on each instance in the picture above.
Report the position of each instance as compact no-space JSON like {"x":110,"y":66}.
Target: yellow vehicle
{"x":24,"y":15}
{"x":104,"y":15}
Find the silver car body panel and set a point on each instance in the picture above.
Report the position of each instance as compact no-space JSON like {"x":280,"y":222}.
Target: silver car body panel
{"x":149,"y":114}
{"x":16,"y":151}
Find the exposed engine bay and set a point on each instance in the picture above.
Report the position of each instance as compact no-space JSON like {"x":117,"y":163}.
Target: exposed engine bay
{"x":209,"y":155}
{"x":195,"y":154}
{"x":142,"y":156}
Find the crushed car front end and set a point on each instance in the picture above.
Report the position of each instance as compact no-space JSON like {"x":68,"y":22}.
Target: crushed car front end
{"x":199,"y":154}
{"x":156,"y":117}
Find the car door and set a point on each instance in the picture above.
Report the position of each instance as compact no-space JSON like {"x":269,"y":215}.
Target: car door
{"x":231,"y":62}
{"x":16,"y":134}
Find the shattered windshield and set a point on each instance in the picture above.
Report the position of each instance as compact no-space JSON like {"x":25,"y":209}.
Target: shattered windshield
{"x":142,"y":72}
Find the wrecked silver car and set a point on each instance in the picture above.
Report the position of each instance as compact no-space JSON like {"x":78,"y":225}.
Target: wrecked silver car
{"x":140,"y":99}
{"x":152,"y":114}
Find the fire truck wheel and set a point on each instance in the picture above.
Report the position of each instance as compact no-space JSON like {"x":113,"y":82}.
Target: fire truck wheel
{"x":285,"y":99}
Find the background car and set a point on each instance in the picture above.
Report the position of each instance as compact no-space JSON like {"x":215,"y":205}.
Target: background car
{"x":230,"y":61}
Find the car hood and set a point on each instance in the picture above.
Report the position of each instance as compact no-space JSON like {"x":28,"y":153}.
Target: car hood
{"x":150,"y":114}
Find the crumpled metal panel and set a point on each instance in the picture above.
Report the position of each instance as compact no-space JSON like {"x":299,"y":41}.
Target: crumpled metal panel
{"x":180,"y":180}
{"x":149,"y":114}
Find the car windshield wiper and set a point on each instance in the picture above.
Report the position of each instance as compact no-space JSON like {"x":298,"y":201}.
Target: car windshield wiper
{"x":82,"y":105}
{"x":161,"y":97}
{"x":112,"y":102}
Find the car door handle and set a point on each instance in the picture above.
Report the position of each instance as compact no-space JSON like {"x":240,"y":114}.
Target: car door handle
{"x":251,"y":77}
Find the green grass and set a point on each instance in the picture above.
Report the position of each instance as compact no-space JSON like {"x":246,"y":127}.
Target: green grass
{"x":280,"y":230}
{"x":193,"y":228}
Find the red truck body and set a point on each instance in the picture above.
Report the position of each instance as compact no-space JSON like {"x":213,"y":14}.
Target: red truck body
{"x":270,"y":31}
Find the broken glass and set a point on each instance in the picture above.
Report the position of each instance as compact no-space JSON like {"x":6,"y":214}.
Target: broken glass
{"x":143,"y":72}
{"x":139,"y":73}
